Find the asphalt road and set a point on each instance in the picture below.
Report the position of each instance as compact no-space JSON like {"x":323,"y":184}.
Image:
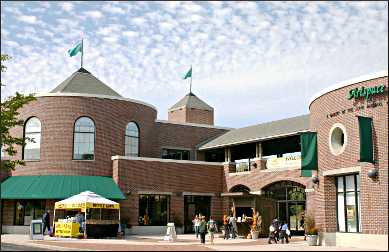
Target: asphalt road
{"x":13,"y":247}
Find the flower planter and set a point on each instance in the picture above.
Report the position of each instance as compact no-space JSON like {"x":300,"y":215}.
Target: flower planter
{"x":254,"y":235}
{"x":312,"y":240}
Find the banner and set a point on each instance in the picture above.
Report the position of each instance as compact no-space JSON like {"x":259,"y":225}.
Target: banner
{"x":308,"y":153}
{"x":365,"y":139}
{"x":283,"y":162}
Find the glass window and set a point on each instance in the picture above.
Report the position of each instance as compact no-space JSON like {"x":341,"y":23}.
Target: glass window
{"x":84,"y":139}
{"x":32,"y":134}
{"x":176,"y":154}
{"x":154,"y":210}
{"x":132,"y":140}
{"x":348,"y":207}
{"x":25,"y":211}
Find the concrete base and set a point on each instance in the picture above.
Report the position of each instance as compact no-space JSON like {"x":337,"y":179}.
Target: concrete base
{"x":15,"y":229}
{"x":366,"y":241}
{"x":146,"y":230}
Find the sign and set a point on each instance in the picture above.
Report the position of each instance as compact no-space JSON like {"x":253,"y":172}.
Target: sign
{"x":366,"y":92}
{"x":67,"y":229}
{"x":283,"y":162}
{"x":87,"y":205}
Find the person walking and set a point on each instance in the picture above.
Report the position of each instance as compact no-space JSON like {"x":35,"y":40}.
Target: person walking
{"x":212,"y":228}
{"x":196,"y":224}
{"x":273,"y":231}
{"x":284,"y":234}
{"x":232,"y":222}
{"x":46,"y":222}
{"x":202,"y":229}
{"x":226,"y":227}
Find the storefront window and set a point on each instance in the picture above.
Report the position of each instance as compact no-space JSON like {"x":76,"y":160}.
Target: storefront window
{"x":154,"y":210}
{"x":348,"y":205}
{"x":176,"y":154}
{"x":27,"y":210}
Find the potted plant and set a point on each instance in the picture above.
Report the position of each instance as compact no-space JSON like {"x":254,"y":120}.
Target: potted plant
{"x":178,"y":224}
{"x":255,"y":227}
{"x":311,"y":231}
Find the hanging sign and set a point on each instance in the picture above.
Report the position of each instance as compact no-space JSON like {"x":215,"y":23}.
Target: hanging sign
{"x":283,"y":162}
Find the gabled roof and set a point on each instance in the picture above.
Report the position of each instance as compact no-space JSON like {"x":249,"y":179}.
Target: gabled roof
{"x":83,"y":82}
{"x":260,"y":132}
{"x":191,"y":101}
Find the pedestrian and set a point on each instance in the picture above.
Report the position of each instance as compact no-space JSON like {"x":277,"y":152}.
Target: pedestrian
{"x":46,"y":222}
{"x":196,"y":224}
{"x":212,"y":228}
{"x":80,"y":219}
{"x":284,"y":234}
{"x":226,"y":227}
{"x":273,"y":231}
{"x":233,"y":229}
{"x":202,"y":229}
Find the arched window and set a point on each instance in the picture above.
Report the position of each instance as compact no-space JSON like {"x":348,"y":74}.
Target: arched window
{"x":32,"y":131}
{"x":132,"y":140}
{"x":84,"y":139}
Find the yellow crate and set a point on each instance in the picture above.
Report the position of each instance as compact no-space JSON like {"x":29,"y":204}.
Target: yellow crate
{"x":67,"y":229}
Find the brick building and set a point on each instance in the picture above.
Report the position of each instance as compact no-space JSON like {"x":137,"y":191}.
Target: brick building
{"x":86,"y":133}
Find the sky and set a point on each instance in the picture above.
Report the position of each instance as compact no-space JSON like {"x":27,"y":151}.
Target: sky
{"x":253,"y":62}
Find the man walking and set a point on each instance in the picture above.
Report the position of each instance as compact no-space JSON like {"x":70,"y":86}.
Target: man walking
{"x":202,"y":229}
{"x":46,"y":222}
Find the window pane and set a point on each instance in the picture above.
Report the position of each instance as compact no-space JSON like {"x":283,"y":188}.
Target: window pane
{"x":340,"y":184}
{"x":350,"y":183}
{"x":84,"y":124}
{"x":132,"y":130}
{"x":358,"y":183}
{"x":359,"y":213}
{"x":33,"y":125}
{"x":33,"y":134}
{"x":351,"y":212}
{"x":19,"y":213}
{"x":84,"y":146}
{"x":340,"y":214}
{"x":176,"y":154}
{"x":153,"y":210}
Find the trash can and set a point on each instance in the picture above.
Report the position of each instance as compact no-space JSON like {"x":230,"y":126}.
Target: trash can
{"x":36,"y":228}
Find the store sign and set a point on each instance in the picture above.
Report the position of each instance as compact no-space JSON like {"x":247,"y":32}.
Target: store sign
{"x":283,"y":162}
{"x":366,"y":92}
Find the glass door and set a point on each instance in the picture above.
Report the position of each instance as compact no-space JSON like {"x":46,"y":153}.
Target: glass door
{"x":296,"y":215}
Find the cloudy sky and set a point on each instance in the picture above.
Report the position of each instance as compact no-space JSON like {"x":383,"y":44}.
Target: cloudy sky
{"x":252,"y":61}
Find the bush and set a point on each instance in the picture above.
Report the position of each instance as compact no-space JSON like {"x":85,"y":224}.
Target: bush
{"x":312,"y":231}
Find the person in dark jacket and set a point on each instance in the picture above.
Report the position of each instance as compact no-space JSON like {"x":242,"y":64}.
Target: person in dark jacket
{"x":46,"y":222}
{"x":202,"y":229}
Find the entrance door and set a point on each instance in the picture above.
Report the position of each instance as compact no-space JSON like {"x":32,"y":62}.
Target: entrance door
{"x":296,"y":211}
{"x":195,"y":205}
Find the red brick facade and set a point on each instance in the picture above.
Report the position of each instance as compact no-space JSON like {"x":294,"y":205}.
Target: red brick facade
{"x":191,"y":115}
{"x":373,"y":192}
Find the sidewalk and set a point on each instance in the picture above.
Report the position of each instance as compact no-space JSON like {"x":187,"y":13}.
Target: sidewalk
{"x":186,"y":242}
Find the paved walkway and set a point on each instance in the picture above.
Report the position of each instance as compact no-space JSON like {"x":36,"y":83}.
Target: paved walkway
{"x":147,"y":243}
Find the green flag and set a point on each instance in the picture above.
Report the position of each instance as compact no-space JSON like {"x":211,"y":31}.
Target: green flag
{"x":77,"y":48}
{"x":188,"y":74}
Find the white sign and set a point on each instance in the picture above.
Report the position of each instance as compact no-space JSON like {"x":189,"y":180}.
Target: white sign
{"x":283,"y":162}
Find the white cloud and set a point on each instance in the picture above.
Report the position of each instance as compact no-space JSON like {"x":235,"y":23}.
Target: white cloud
{"x":130,"y":34}
{"x":93,"y":14}
{"x":113,"y":9}
{"x":67,"y":6}
{"x":27,"y":19}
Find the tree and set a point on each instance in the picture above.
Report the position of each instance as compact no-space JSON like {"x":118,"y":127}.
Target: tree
{"x":8,"y":120}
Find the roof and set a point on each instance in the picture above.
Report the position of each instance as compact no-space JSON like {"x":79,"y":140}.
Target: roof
{"x":346,"y":83}
{"x":58,"y":187}
{"x":82,"y":81}
{"x":191,"y":101}
{"x":260,"y":132}
{"x":95,"y":200}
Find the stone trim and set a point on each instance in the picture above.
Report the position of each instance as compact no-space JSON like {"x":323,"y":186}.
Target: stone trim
{"x":341,"y":171}
{"x":348,"y":83}
{"x":165,"y":160}
{"x":197,"y":194}
{"x":154,"y":192}
{"x":97,"y":96}
{"x":239,"y":173}
{"x":194,"y":125}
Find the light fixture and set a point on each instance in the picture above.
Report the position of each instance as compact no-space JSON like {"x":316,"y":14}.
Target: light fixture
{"x":372,"y":173}
{"x":315,"y":179}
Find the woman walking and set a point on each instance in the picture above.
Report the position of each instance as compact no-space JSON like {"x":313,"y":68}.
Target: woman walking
{"x":196,"y":224}
{"x":212,"y":228}
{"x":202,"y":229}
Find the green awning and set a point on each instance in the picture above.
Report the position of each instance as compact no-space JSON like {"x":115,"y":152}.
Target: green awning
{"x":58,"y":187}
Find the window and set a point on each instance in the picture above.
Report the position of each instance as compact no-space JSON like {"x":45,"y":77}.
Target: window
{"x":337,"y":139}
{"x":25,"y":211}
{"x":132,"y":140}
{"x":32,"y":134}
{"x":348,"y":205}
{"x":154,"y":210}
{"x":175,"y":154}
{"x":84,"y":139}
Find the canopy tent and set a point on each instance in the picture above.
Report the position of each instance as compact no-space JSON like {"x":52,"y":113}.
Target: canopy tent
{"x":84,"y":201}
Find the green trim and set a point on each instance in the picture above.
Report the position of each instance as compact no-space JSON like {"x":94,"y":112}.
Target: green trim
{"x":306,"y":173}
{"x":58,"y":187}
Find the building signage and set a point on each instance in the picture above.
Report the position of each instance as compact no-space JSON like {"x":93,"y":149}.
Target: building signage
{"x":283,"y":162}
{"x":366,"y":92}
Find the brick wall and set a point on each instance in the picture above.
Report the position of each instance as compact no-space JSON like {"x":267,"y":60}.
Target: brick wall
{"x":140,"y":175}
{"x":191,"y":115}
{"x":373,"y":192}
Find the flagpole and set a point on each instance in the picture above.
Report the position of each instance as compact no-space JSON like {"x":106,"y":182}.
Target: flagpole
{"x":191,"y":74}
{"x":82,"y":50}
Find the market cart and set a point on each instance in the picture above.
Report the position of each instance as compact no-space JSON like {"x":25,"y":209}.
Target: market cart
{"x":100,"y":216}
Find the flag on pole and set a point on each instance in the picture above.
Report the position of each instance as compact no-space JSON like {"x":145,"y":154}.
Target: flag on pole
{"x":77,"y":48}
{"x":188,"y":74}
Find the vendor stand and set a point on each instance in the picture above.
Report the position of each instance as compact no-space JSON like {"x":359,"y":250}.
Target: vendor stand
{"x":100,"y":216}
